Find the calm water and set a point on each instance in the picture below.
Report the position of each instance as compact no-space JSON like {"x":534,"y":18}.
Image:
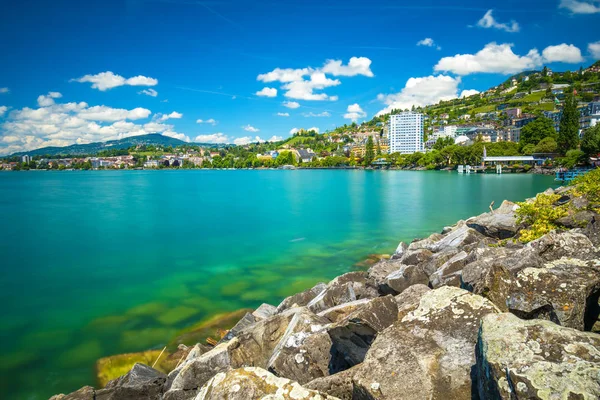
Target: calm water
{"x":98,"y":263}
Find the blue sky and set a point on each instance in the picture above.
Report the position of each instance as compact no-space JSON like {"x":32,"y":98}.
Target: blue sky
{"x":97,"y":70}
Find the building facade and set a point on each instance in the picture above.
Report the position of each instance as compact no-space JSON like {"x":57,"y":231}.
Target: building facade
{"x":406,"y":133}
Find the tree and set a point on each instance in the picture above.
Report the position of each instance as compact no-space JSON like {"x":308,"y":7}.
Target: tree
{"x":568,"y":135}
{"x":369,"y":153}
{"x":546,"y":145}
{"x":537,"y":130}
{"x":590,"y":144}
{"x":528,"y":149}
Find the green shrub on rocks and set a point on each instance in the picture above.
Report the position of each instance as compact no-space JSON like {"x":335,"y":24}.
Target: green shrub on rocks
{"x":539,"y":216}
{"x":588,"y":185}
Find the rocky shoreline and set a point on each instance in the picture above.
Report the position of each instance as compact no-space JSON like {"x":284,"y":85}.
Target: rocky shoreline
{"x":472,"y":312}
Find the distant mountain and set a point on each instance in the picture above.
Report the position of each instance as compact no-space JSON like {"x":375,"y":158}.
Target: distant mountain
{"x":155,"y":139}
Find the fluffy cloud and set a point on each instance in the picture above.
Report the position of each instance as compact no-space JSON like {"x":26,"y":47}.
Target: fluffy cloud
{"x":208,"y":121}
{"x":280,"y":114}
{"x":488,"y":21}
{"x":250,"y":128}
{"x":291,"y":104}
{"x":354,"y":112}
{"x":275,"y":138}
{"x":356,"y":66}
{"x":594,"y":49}
{"x":149,"y":92}
{"x":108,"y":80}
{"x":3,"y":110}
{"x":267,"y":92}
{"x":566,"y":53}
{"x":173,"y":115}
{"x":296,"y":130}
{"x":493,"y":58}
{"x":303,"y":82}
{"x":421,"y":92}
{"x":321,"y":114}
{"x":428,"y":42}
{"x":256,"y":139}
{"x":468,"y":92}
{"x":48,"y":100}
{"x":4,"y":90}
{"x":581,"y":7}
{"x":215,"y":138}
{"x":68,"y":123}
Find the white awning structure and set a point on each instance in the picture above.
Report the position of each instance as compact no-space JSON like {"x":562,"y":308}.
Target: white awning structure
{"x":509,"y":158}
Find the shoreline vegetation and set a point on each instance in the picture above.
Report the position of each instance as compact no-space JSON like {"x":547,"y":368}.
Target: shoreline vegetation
{"x":515,"y":289}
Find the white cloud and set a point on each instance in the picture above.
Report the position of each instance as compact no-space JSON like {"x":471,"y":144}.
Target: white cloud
{"x":294,"y":130}
{"x":3,"y":109}
{"x":108,"y":80}
{"x":468,"y":92}
{"x":354,"y":112}
{"x":321,"y":114}
{"x":281,"y":114}
{"x":173,"y":115}
{"x":488,"y":21}
{"x":356,"y":66}
{"x":214,"y":138}
{"x":428,"y":42}
{"x":267,"y":92}
{"x":104,"y":113}
{"x":4,"y":90}
{"x":566,"y":53}
{"x":275,"y":138}
{"x":291,"y":104}
{"x":594,"y":49}
{"x":303,"y":82}
{"x":208,"y":121}
{"x":149,"y":92}
{"x":48,"y":100}
{"x":314,"y":128}
{"x":421,"y":92}
{"x":493,"y":58}
{"x":581,"y":7}
{"x":250,"y":128}
{"x":247,"y":140}
{"x":180,"y":136}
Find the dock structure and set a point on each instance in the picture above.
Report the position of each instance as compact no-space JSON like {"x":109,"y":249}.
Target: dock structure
{"x":500,"y":161}
{"x":568,"y":176}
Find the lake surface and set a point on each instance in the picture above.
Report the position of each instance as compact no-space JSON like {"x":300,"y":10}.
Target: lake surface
{"x":103,"y":262}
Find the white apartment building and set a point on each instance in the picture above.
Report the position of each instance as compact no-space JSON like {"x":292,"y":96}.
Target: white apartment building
{"x":406,"y":133}
{"x":450,"y":130}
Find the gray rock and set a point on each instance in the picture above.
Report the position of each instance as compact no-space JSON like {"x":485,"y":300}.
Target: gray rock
{"x":437,"y":260}
{"x":85,"y":393}
{"x":353,"y":335}
{"x":256,"y":384}
{"x":501,"y":224}
{"x":449,"y":273}
{"x":246,"y":321}
{"x":429,"y":354}
{"x":555,"y":245}
{"x":264,"y":311}
{"x":592,"y":231}
{"x":140,"y":382}
{"x":536,"y":359}
{"x":415,"y":257}
{"x":426,"y":243}
{"x":400,"y":250}
{"x":335,"y":314}
{"x":304,"y":351}
{"x":379,"y":272}
{"x":409,"y":299}
{"x":344,"y":289}
{"x":579,"y":219}
{"x":406,"y":276}
{"x":301,"y":299}
{"x":461,"y":236}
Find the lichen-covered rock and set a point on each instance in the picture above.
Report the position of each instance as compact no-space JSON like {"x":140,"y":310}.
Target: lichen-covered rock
{"x":428,"y":354}
{"x":406,"y":276}
{"x":378,"y":272}
{"x":579,"y":219}
{"x":141,"y":382}
{"x":344,"y":289}
{"x":301,"y":299}
{"x":459,"y":237}
{"x":264,"y":311}
{"x":437,"y":260}
{"x":304,"y":351}
{"x":592,"y":231}
{"x":246,"y":321}
{"x":85,"y":393}
{"x":353,"y":335}
{"x":415,"y":257}
{"x":500,"y":224}
{"x":409,"y":299}
{"x":424,"y":243}
{"x":255,"y":384}
{"x":335,"y":314}
{"x":555,"y":245}
{"x":536,"y":359}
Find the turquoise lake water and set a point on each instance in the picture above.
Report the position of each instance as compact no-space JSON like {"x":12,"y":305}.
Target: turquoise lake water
{"x":82,"y":252}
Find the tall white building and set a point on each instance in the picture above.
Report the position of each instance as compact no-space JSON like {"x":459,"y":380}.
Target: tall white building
{"x":406,"y":133}
{"x":450,"y":130}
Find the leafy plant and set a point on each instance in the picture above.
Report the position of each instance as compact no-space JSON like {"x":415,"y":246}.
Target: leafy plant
{"x":588,"y":185}
{"x":539,"y":216}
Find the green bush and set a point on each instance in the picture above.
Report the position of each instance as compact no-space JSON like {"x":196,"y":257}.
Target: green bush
{"x":539,"y":216}
{"x":588,"y":185}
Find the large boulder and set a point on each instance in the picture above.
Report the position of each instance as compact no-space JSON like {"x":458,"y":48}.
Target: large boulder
{"x":416,"y":257}
{"x":378,"y":272}
{"x":536,"y":359}
{"x":449,"y":273}
{"x":246,"y":321}
{"x":337,"y":313}
{"x":352,"y":336}
{"x":409,"y":299}
{"x":499,"y":224}
{"x":304,"y":351}
{"x":458,"y":238}
{"x":141,"y":382}
{"x":85,"y":393}
{"x":301,"y":299}
{"x":344,"y":289}
{"x":555,"y":245}
{"x":428,"y":354}
{"x":264,"y":311}
{"x":592,"y":231}
{"x":406,"y":276}
{"x":256,"y":384}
